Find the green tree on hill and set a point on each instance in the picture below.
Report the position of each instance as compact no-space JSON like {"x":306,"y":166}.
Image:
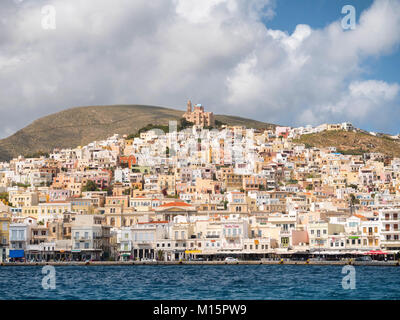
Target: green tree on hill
{"x":90,"y":186}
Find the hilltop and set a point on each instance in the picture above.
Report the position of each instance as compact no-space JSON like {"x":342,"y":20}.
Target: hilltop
{"x":348,"y":142}
{"x":82,"y":125}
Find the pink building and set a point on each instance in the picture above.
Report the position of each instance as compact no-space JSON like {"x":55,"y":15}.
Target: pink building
{"x":282,"y":131}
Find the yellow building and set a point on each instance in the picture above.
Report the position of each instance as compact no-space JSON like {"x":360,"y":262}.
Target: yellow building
{"x":32,"y":211}
{"x":24,"y":199}
{"x":4,"y":234}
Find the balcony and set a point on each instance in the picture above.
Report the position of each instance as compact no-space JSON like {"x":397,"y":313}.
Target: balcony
{"x":82,"y":238}
{"x":390,"y":231}
{"x":394,"y":219}
{"x":212,"y":236}
{"x":232,"y":236}
{"x":143,"y":241}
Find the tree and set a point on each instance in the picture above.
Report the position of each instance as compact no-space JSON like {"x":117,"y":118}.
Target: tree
{"x":219,"y":123}
{"x":4,"y":197}
{"x":90,"y":186}
{"x":183,"y":124}
{"x":160,"y":255}
{"x":353,"y":199}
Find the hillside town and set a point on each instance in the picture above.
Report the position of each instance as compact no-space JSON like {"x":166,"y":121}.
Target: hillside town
{"x":201,"y":190}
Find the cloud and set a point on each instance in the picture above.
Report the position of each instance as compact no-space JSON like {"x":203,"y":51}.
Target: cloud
{"x":361,"y":100}
{"x":216,"y":52}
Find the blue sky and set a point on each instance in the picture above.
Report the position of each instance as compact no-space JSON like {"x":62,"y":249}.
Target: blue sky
{"x":315,"y":13}
{"x":318,"y":14}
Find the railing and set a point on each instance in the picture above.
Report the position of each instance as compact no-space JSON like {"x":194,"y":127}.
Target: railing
{"x":212,"y":236}
{"x":81,"y":238}
{"x":232,"y":236}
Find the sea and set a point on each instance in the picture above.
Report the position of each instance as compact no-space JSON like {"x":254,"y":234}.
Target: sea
{"x":200,"y":282}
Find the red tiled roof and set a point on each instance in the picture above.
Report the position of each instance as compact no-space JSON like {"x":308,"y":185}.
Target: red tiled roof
{"x":176,"y":204}
{"x":360,"y":216}
{"x":152,"y":222}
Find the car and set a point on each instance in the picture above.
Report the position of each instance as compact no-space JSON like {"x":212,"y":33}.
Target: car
{"x":365,"y":258}
{"x":196,"y":259}
{"x":316,"y":259}
{"x":231,"y":259}
{"x":148,"y":260}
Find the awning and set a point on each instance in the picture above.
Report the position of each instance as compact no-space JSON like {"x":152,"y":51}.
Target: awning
{"x":16,"y":253}
{"x":192,"y":251}
{"x":375,"y":252}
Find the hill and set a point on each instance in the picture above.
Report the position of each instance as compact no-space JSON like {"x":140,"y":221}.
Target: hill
{"x":79,"y":126}
{"x":352,"y":142}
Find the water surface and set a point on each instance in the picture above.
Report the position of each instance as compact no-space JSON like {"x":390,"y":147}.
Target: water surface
{"x":259,"y":282}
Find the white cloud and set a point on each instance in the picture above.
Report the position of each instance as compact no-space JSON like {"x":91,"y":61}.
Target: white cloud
{"x":217,"y":52}
{"x":360,"y":101}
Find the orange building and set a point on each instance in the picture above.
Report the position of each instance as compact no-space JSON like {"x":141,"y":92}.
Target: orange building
{"x":128,"y":161}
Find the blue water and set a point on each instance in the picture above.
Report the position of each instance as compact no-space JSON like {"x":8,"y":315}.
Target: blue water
{"x":200,"y":282}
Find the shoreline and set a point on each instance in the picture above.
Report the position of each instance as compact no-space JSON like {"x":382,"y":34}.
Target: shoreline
{"x":249,"y":262}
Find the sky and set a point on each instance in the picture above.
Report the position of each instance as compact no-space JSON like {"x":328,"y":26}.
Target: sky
{"x":288,"y":62}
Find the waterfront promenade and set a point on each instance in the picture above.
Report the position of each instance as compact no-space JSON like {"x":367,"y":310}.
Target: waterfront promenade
{"x":249,"y":262}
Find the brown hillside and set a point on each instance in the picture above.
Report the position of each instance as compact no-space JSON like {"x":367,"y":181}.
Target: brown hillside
{"x":352,"y":142}
{"x":81,"y":125}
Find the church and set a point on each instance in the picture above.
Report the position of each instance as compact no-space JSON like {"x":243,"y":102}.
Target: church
{"x":198,"y":116}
